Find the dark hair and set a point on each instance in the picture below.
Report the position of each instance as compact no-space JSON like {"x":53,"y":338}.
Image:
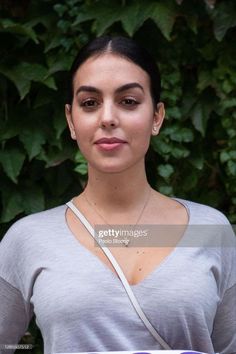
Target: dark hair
{"x":124,"y":47}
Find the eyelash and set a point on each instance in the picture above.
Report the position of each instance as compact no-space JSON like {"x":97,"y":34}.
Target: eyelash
{"x":132,"y":103}
{"x":84,"y":103}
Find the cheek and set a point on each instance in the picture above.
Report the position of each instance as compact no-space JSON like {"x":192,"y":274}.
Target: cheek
{"x":142,"y":130}
{"x":83,"y":127}
{"x":141,"y":138}
{"x":143,"y":125}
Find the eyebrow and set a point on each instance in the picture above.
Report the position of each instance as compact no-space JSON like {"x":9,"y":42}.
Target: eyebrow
{"x":118,"y":90}
{"x":129,"y":86}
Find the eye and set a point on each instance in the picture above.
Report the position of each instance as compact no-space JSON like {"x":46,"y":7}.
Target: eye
{"x":89,"y":103}
{"x":129,"y":102}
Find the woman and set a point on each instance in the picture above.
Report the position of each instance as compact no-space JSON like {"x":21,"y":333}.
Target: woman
{"x":50,"y":264}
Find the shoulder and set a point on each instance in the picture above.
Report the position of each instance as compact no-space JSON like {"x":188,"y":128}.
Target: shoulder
{"x":49,"y":215}
{"x":203,"y":214}
{"x":211,"y":229}
{"x":26,"y":242}
{"x":37,"y":222}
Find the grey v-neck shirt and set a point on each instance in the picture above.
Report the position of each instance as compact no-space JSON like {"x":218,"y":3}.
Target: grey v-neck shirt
{"x":81,"y":305}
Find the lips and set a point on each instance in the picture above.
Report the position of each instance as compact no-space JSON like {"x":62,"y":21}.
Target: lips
{"x":109,"y":141}
{"x":110,"y":144}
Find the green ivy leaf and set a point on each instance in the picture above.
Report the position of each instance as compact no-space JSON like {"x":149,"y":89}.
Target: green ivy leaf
{"x":12,"y":206}
{"x":161,"y":145}
{"x":198,"y":119}
{"x":164,"y":15}
{"x":180,"y":152}
{"x":200,"y":115}
{"x":21,"y":82}
{"x":166,"y":190}
{"x":107,"y":18}
{"x":59,"y":123}
{"x":86,"y":13}
{"x":224,"y":156}
{"x":197,"y":162}
{"x":43,"y":98}
{"x":22,"y":75}
{"x":232,"y":167}
{"x":12,"y":161}
{"x":165,"y":171}
{"x":229,"y":103}
{"x":55,"y":156}
{"x":224,"y":18}
{"x":33,"y":199}
{"x":60,"y":9}
{"x":182,"y":135}
{"x":53,"y":42}
{"x":192,"y":21}
{"x":209,"y":51}
{"x":49,"y":82}
{"x":233,"y":154}
{"x":133,"y":17}
{"x":61,"y":62}
{"x":33,"y":139}
{"x":7,"y":25}
{"x":190,"y":181}
{"x":82,"y":169}
{"x":82,"y":165}
{"x":103,"y":14}
{"x":205,"y":79}
{"x":174,"y":112}
{"x":10,"y":129}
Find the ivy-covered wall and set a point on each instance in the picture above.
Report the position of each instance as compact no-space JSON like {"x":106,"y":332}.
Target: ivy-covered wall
{"x":193,"y":42}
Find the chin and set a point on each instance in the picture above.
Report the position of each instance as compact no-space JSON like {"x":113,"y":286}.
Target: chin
{"x":116,"y":168}
{"x":110,"y":169}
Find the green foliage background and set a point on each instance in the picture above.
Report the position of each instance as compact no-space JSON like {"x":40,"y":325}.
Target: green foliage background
{"x":193,"y":42}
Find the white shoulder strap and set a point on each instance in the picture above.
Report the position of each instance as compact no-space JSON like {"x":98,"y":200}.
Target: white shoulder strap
{"x":122,"y":277}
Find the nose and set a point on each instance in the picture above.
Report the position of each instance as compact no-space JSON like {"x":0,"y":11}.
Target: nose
{"x":108,"y":116}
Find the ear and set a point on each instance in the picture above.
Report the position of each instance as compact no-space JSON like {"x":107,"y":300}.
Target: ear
{"x":70,"y":121}
{"x":158,"y":118}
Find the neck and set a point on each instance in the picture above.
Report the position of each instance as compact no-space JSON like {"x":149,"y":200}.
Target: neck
{"x":117,"y":191}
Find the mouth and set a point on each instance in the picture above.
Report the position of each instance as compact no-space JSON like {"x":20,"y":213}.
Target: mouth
{"x":109,"y":144}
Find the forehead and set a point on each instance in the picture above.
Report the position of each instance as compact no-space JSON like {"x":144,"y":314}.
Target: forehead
{"x":110,"y":69}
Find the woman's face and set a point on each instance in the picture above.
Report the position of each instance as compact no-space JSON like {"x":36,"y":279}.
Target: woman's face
{"x":112,"y":115}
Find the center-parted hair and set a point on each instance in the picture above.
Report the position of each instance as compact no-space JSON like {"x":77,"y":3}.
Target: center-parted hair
{"x":124,"y":47}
